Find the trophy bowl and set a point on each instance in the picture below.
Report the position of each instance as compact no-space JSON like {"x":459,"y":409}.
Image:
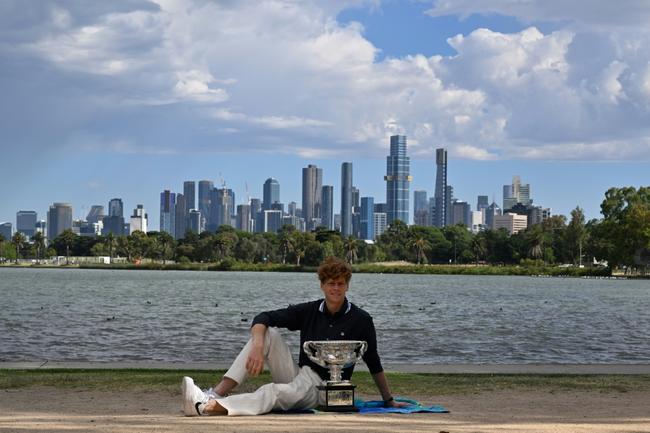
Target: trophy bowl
{"x":335,"y":355}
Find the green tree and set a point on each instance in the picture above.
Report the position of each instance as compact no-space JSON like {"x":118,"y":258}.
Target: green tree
{"x":351,"y":249}
{"x":39,"y":244}
{"x":420,"y":246}
{"x":111,"y":245}
{"x":286,"y":241}
{"x":576,"y":234}
{"x":18,"y":240}
{"x":479,"y":246}
{"x":626,"y":224}
{"x":67,"y":238}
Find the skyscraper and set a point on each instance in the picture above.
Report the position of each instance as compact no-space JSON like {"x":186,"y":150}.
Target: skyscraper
{"x":327,"y":200}
{"x":26,"y":222}
{"x":482,"y":202}
{"x":271,"y":193}
{"x":449,"y":200}
{"x":420,"y":208}
{"x":244,"y":217}
{"x":346,"y":199}
{"x":59,"y":218}
{"x":114,"y":221}
{"x":367,"y":218}
{"x":6,"y":231}
{"x":139,"y":220}
{"x":96,"y":214}
{"x":397,"y":180}
{"x":189,"y":192}
{"x":205,"y":189}
{"x":115,"y":208}
{"x":312,"y":182}
{"x":167,"y":212}
{"x":180,"y":218}
{"x":440,"y":197}
{"x":516,"y":193}
{"x":194,"y":221}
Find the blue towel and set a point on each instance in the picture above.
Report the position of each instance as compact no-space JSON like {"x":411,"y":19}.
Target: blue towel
{"x":374,"y":406}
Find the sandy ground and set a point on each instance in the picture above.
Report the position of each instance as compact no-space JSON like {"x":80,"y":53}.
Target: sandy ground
{"x":56,"y":410}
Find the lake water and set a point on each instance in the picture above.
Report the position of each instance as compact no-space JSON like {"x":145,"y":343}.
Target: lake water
{"x":176,"y":316}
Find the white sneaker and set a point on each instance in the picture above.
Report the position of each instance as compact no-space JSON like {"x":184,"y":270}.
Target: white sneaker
{"x":193,"y":398}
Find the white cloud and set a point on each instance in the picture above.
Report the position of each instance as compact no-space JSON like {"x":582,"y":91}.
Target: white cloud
{"x":285,"y":76}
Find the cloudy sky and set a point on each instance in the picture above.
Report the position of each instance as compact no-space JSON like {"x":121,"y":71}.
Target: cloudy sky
{"x":129,"y":97}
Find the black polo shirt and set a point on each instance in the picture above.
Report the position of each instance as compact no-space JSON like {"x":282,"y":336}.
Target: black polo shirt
{"x":315,"y":323}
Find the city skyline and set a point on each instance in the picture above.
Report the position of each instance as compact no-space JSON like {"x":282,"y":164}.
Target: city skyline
{"x":553,"y":93}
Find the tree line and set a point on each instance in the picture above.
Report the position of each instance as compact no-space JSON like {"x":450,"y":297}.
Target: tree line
{"x":621,"y":237}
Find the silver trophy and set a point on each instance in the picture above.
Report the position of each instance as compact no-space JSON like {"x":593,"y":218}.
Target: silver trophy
{"x":336,"y":395}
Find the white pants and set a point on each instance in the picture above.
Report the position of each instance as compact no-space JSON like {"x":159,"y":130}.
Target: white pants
{"x":292,"y":388}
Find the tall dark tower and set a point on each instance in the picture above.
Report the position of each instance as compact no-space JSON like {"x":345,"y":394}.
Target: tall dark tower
{"x":397,"y":180}
{"x":441,"y":203}
{"x":346,"y":199}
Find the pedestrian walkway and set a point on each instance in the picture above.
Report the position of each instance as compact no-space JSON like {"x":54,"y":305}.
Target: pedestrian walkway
{"x":402,"y":368}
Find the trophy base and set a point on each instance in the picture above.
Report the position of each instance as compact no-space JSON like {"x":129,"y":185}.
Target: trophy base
{"x":336,"y":398}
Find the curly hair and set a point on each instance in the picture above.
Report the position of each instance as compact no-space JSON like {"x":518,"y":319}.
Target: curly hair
{"x":332,"y":268}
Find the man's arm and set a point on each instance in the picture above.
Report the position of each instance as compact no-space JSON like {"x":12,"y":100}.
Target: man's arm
{"x":382,"y":386}
{"x":255,"y":361}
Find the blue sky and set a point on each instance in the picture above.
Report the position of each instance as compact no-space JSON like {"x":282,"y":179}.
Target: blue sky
{"x":127,"y":98}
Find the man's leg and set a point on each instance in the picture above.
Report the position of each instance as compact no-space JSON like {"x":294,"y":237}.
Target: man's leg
{"x":278,"y":359}
{"x":300,"y":393}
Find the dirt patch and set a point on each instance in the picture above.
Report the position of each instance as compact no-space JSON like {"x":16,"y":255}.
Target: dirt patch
{"x":59,"y":410}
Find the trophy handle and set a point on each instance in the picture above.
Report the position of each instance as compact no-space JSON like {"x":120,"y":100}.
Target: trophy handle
{"x":310,"y":350}
{"x":362,"y":350}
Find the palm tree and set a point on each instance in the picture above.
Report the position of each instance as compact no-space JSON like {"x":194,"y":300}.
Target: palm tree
{"x":351,"y":248}
{"x":535,"y":237}
{"x":67,"y":237}
{"x":18,"y":240}
{"x":479,"y":246}
{"x":39,"y":242}
{"x":111,"y":243}
{"x":421,"y":245}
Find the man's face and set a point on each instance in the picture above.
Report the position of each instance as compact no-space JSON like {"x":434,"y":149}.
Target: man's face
{"x":334,"y":289}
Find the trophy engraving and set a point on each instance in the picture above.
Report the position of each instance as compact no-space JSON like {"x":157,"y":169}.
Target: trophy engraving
{"x":337,"y":395}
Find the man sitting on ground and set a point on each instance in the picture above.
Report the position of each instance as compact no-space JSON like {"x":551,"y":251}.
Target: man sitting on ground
{"x":294,"y":386}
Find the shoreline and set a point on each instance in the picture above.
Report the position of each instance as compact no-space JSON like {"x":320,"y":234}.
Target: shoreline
{"x":364,"y":268}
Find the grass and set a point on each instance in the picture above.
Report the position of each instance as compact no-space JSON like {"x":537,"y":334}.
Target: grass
{"x":405,"y":384}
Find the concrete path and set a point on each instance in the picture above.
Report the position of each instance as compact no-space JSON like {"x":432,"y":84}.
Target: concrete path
{"x":403,"y":368}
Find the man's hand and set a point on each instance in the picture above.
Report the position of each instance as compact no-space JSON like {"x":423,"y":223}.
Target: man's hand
{"x":255,"y":361}
{"x":394,"y":403}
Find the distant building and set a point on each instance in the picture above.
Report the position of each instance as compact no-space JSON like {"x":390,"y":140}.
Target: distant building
{"x":271,"y":193}
{"x":291,"y":210}
{"x":327,"y":209}
{"x":512,"y":222}
{"x":491,"y":211}
{"x":346,"y":199}
{"x":312,"y":182}
{"x":461,"y":213}
{"x":482,"y":202}
{"x":194,"y":221}
{"x":26,"y":222}
{"x":167,"y":212}
{"x":116,"y":207}
{"x":367,"y":221}
{"x":420,"y":208}
{"x":189,"y":192}
{"x":139,"y":220}
{"x":516,"y":193}
{"x":244,"y":221}
{"x":272,"y":221}
{"x":114,"y":221}
{"x":205,"y":189}
{"x":380,"y":223}
{"x":59,"y":218}
{"x":478,"y":221}
{"x":397,"y":180}
{"x":96,"y":214}
{"x":180,"y":221}
{"x":6,"y":231}
{"x":440,"y":194}
{"x":538,"y":214}
{"x":449,"y":199}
